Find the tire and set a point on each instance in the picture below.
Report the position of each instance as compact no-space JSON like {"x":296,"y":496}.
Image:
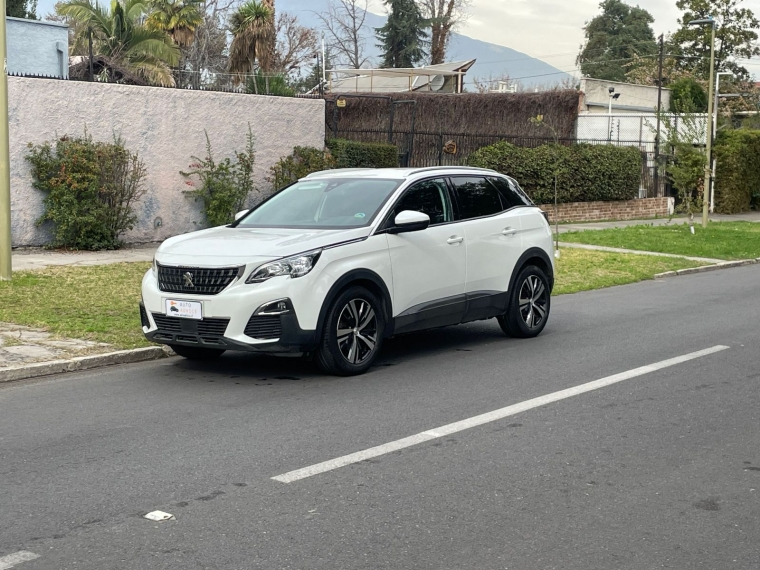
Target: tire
{"x":529,"y":304}
{"x":352,"y":334}
{"x":199,"y":353}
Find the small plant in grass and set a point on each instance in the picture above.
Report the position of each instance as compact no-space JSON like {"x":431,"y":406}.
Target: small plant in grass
{"x":91,"y":190}
{"x":222,"y":187}
{"x":302,"y":161}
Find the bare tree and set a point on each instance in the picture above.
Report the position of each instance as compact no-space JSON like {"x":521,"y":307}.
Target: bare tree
{"x":207,"y":55}
{"x":344,"y":23}
{"x":296,"y":44}
{"x":501,"y":83}
{"x":444,"y":17}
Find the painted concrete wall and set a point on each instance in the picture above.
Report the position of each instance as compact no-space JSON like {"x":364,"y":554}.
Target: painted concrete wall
{"x":165,"y":126}
{"x":633,"y":98}
{"x":37,"y":47}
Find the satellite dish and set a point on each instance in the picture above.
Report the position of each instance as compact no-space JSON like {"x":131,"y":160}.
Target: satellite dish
{"x":437,"y":82}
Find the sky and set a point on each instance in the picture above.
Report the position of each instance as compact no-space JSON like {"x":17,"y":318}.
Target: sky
{"x":550,"y":30}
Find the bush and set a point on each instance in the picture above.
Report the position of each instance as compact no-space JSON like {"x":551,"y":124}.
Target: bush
{"x":737,"y":179}
{"x":352,"y":154}
{"x":302,"y":161}
{"x":687,"y":93}
{"x":223,"y":186}
{"x":586,"y":173}
{"x":269,"y":85}
{"x":91,"y":190}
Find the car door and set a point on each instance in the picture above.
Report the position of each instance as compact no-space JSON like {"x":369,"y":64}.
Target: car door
{"x":492,"y":229}
{"x":428,"y":266}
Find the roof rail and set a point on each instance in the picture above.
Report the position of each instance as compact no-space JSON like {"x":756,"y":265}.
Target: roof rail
{"x":435,"y":168}
{"x":336,"y":170}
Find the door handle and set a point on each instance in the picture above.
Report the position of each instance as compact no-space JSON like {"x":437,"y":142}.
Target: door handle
{"x":453,"y":240}
{"x":509,"y":232}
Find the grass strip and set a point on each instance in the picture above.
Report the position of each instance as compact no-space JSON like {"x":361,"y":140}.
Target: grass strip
{"x":99,"y":303}
{"x":720,"y":240}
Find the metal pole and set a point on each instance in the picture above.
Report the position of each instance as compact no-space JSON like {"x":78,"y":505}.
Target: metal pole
{"x":659,"y":112}
{"x":5,"y":173}
{"x":708,"y":164}
{"x":92,"y":71}
{"x":609,"y":122}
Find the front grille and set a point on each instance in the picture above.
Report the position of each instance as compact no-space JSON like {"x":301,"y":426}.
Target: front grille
{"x":195,"y":280}
{"x":264,"y":327}
{"x":213,"y":328}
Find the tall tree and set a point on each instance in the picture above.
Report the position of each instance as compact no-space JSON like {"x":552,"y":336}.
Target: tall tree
{"x":178,"y":18}
{"x":403,"y":38}
{"x":120,"y":36}
{"x":21,"y":9}
{"x":344,"y":23}
{"x":614,"y":38}
{"x":296,"y":44}
{"x":206,"y":57}
{"x":253,"y":35}
{"x":735,"y":36}
{"x":444,"y":16}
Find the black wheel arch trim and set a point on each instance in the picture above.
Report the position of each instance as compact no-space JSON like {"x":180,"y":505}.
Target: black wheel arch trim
{"x":529,"y":254}
{"x":347,"y":280}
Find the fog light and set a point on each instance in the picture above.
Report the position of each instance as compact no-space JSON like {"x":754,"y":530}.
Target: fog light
{"x":273,"y":308}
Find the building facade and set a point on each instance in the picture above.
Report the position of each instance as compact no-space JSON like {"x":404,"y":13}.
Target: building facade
{"x":37,"y":47}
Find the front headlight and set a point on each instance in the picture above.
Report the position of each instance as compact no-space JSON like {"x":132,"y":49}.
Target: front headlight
{"x":296,"y":266}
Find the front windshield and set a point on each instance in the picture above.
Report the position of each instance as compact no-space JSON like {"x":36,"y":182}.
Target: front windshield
{"x":326,"y":203}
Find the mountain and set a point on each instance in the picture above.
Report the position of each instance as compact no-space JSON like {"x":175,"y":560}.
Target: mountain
{"x":492,"y":60}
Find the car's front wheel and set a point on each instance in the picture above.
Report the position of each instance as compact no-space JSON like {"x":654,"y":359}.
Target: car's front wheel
{"x":352,"y":334}
{"x":199,"y":353}
{"x":529,"y":304}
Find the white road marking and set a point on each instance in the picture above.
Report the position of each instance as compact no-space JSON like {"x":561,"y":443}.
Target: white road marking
{"x":489,"y":417}
{"x":7,"y":562}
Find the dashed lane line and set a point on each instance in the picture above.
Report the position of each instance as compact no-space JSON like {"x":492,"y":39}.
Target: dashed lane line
{"x":11,"y":560}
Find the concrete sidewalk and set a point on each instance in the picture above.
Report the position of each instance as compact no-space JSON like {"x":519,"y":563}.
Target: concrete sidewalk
{"x":37,"y":258}
{"x":747,"y":217}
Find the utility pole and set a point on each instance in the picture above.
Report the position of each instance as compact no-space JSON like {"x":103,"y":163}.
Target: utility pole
{"x":5,"y":173}
{"x":659,"y":112}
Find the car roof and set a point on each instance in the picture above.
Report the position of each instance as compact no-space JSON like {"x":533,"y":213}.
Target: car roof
{"x":397,"y":173}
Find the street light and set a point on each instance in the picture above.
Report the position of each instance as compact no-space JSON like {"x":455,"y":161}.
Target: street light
{"x":5,"y":173}
{"x":613,"y":97}
{"x":708,"y":165}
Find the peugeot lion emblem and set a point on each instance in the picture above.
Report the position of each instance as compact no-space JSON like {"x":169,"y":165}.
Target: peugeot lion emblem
{"x":188,"y":279}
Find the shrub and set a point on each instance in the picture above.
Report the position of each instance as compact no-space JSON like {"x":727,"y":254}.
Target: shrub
{"x":223,"y":187}
{"x":302,"y":161}
{"x":687,"y":93}
{"x":737,"y":179}
{"x":352,"y":154}
{"x":269,"y":85}
{"x":91,"y":190}
{"x":586,"y":173}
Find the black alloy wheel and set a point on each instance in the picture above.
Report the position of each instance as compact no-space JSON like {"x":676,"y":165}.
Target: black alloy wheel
{"x":529,"y":304}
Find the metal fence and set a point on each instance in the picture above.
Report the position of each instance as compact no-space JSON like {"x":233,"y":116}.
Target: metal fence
{"x":422,"y":149}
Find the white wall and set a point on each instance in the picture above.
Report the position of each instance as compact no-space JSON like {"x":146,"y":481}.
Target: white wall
{"x":634,"y":98}
{"x":165,"y":126}
{"x":632,"y":129}
{"x":37,"y":47}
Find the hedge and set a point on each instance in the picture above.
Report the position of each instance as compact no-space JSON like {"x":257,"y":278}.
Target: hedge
{"x":737,"y":178}
{"x":586,"y":173}
{"x":352,"y":154}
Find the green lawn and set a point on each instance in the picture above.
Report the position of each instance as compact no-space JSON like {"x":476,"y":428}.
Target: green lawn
{"x":721,"y":240}
{"x":100,"y":303}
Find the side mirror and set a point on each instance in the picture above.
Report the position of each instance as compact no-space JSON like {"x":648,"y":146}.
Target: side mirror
{"x":409,"y":221}
{"x":241,"y":214}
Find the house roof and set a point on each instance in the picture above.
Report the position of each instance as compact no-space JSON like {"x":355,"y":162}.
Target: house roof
{"x":394,"y":80}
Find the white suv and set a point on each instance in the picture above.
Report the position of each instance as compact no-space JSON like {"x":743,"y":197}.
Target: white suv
{"x":343,"y":259}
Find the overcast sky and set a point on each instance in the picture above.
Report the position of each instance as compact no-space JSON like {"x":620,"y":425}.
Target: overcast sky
{"x":552,"y":30}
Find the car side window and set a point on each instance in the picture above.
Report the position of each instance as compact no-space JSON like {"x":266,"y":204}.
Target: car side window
{"x":510,"y":194}
{"x":476,"y":197}
{"x":429,"y":197}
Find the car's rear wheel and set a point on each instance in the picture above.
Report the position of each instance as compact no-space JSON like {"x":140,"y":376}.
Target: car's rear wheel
{"x":529,"y":304}
{"x":352,"y":334}
{"x":196,"y":353}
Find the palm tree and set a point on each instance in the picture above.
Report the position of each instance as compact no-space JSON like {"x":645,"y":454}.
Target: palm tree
{"x":120,"y":37}
{"x":253,"y":31}
{"x":178,"y":18}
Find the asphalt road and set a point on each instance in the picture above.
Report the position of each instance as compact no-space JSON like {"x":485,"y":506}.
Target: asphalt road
{"x":658,"y":470}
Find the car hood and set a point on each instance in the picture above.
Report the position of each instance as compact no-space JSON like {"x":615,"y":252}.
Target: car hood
{"x":224,"y":246}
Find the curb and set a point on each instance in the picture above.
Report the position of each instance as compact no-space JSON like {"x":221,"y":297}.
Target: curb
{"x":82,"y":363}
{"x":706,"y":268}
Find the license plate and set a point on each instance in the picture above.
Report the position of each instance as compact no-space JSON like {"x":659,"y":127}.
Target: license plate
{"x":184,"y":309}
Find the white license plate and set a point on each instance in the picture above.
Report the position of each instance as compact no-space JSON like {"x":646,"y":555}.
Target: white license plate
{"x":184,"y":309}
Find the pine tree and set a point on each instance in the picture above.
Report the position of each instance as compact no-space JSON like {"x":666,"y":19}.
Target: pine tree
{"x":21,"y":9}
{"x":403,"y":38}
